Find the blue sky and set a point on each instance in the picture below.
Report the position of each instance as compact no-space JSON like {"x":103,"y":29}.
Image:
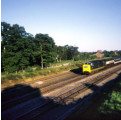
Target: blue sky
{"x":89,"y":24}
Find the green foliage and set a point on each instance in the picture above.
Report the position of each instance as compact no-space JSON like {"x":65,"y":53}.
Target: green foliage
{"x":53,"y":70}
{"x":109,"y":54}
{"x":20,"y":49}
{"x":33,"y":68}
{"x":30,"y":75}
{"x":34,"y":71}
{"x":46,"y":46}
{"x":37,"y":68}
{"x":43,"y":72}
{"x":113,"y":104}
{"x":29,"y":69}
{"x":66,"y":52}
{"x":6,"y":78}
{"x":77,"y":58}
{"x":119,"y":52}
{"x":15,"y":50}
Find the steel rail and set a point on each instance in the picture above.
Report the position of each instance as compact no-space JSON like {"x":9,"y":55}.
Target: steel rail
{"x":31,"y":95}
{"x":62,"y":98}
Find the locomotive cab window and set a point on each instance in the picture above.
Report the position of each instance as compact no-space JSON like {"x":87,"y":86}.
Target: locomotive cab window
{"x":92,"y":64}
{"x":85,"y":66}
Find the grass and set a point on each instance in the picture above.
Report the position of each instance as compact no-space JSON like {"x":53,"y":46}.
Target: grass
{"x":36,"y":71}
{"x":13,"y":77}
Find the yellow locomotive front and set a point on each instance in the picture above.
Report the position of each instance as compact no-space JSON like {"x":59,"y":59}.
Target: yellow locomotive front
{"x":87,"y":68}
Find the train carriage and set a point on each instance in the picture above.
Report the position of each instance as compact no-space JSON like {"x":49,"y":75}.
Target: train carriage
{"x":117,"y":60}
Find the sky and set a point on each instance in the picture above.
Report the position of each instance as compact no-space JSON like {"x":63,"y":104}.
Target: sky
{"x":90,"y":25}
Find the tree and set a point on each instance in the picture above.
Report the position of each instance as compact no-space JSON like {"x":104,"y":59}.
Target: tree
{"x":60,"y":52}
{"x":109,"y":53}
{"x":74,"y":52}
{"x":119,"y":53}
{"x":84,"y":56}
{"x":71,"y":52}
{"x":46,"y":46}
{"x":17,"y":48}
{"x":5,"y":34}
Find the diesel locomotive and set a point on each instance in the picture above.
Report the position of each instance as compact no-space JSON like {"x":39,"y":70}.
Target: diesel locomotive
{"x":91,"y":66}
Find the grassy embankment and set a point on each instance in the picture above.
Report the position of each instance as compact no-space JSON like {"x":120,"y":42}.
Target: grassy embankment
{"x":35,"y":72}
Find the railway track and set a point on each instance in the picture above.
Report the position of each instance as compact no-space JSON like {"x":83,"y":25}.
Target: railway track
{"x":50,"y":85}
{"x":44,"y":89}
{"x":39,"y":111}
{"x":33,"y":83}
{"x":54,"y":84}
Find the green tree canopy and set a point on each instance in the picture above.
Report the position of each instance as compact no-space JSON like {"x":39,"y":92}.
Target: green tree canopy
{"x":46,"y":46}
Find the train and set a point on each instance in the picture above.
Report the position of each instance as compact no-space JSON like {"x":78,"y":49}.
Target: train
{"x":95,"y":65}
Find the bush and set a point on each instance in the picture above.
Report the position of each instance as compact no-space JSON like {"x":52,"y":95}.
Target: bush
{"x":14,"y":77}
{"x":43,"y":73}
{"x":35,"y":71}
{"x":63,"y":68}
{"x":6,"y":78}
{"x":27,"y":75}
{"x":38,"y":68}
{"x":29,"y":69}
{"x":113,"y":105}
{"x":53,"y":70}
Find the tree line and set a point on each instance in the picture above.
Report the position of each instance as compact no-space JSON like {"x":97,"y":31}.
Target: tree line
{"x":20,"y":49}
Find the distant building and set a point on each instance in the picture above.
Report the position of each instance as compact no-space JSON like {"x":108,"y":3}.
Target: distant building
{"x":116,"y":52}
{"x":99,"y":54}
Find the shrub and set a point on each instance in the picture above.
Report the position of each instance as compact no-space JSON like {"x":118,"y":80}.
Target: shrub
{"x":29,"y":69}
{"x":112,"y":105}
{"x":6,"y":78}
{"x":53,"y":71}
{"x":38,"y":68}
{"x":43,"y":73}
{"x":27,"y":75}
{"x":3,"y":80}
